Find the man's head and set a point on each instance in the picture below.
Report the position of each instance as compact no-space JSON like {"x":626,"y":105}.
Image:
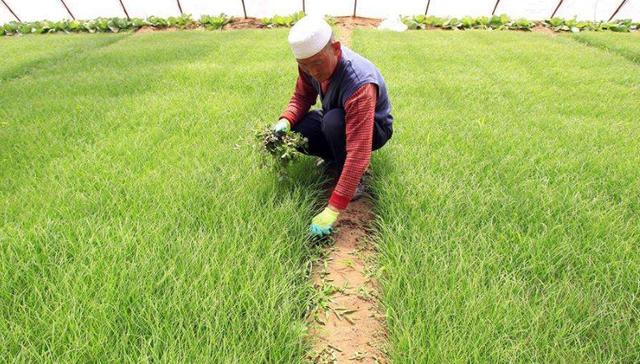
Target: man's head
{"x":314,"y":47}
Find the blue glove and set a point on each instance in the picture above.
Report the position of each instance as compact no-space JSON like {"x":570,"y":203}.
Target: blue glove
{"x":282,"y":126}
{"x":322,"y":224}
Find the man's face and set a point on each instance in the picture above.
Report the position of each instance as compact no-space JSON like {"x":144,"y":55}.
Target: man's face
{"x":321,"y":65}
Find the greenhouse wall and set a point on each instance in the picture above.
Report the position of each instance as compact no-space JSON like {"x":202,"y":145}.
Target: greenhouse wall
{"x":29,"y":10}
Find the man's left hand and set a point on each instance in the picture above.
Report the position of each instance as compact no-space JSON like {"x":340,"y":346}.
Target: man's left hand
{"x":322,"y":224}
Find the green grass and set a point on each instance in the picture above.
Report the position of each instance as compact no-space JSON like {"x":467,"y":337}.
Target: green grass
{"x":625,"y":44}
{"x":508,"y":199}
{"x":135,"y":226}
{"x":20,"y":54}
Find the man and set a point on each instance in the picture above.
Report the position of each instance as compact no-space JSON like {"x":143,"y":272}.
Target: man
{"x":355,"y":118}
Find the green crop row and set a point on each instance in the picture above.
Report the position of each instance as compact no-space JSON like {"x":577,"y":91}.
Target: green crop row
{"x":498,"y":22}
{"x":114,"y":25}
{"x":504,"y":22}
{"x":286,"y":21}
{"x":282,"y":21}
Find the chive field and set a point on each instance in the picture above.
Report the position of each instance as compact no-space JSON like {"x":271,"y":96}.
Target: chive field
{"x":514,"y":238}
{"x":136,"y":225}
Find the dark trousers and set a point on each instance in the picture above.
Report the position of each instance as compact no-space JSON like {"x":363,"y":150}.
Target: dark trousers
{"x":327,"y":135}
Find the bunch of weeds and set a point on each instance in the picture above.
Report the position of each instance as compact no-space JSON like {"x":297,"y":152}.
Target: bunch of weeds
{"x":279,"y":149}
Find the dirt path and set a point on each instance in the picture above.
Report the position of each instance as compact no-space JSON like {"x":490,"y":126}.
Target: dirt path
{"x":347,"y":325}
{"x":347,"y":24}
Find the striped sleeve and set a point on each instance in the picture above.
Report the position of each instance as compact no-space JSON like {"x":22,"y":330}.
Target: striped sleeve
{"x":359,"y":119}
{"x":304,"y":96}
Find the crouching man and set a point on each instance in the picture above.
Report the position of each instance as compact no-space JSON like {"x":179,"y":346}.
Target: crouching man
{"x":355,"y":118}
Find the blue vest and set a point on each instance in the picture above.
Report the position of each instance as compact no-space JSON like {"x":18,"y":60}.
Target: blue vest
{"x":351,"y":73}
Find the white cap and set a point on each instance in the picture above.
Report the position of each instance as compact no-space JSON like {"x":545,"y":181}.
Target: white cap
{"x":308,"y":36}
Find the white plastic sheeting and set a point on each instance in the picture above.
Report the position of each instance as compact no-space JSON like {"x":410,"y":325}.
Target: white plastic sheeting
{"x":460,"y":8}
{"x":389,"y":8}
{"x":5,"y":15}
{"x":330,"y":7}
{"x":530,"y":9}
{"x":91,"y":9}
{"x":267,"y":8}
{"x":144,"y":9}
{"x":588,"y":9}
{"x":29,"y":10}
{"x":631,"y":10}
{"x":198,"y":8}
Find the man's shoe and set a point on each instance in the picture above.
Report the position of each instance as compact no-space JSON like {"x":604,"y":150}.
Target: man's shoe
{"x":359,"y":191}
{"x":330,"y":168}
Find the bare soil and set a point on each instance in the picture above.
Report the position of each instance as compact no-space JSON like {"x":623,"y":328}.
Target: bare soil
{"x":349,"y":326}
{"x":150,"y":29}
{"x":544,"y":30}
{"x":241,"y":23}
{"x":346,"y":25}
{"x":356,"y":22}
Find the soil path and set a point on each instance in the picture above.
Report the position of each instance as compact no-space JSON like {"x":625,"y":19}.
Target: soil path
{"x":347,"y":325}
{"x":347,"y":24}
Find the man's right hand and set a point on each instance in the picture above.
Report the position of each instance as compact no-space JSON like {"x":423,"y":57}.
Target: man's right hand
{"x":282,"y":126}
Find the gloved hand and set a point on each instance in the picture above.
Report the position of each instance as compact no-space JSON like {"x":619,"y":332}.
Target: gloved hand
{"x":322,"y":224}
{"x":282,"y":126}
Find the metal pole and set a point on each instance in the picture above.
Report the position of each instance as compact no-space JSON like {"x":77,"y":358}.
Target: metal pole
{"x":495,"y":7}
{"x":303,"y":7}
{"x":617,"y":10}
{"x":124,"y":9}
{"x":427,"y":10}
{"x":68,"y":11}
{"x":557,"y":7}
{"x":244,"y":10}
{"x":179,"y":7}
{"x":11,"y":11}
{"x":355,"y":5}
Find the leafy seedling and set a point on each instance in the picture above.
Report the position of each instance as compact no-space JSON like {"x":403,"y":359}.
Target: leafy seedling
{"x":215,"y":22}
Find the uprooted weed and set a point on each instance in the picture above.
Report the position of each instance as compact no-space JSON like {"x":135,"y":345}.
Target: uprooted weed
{"x":278,"y":149}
